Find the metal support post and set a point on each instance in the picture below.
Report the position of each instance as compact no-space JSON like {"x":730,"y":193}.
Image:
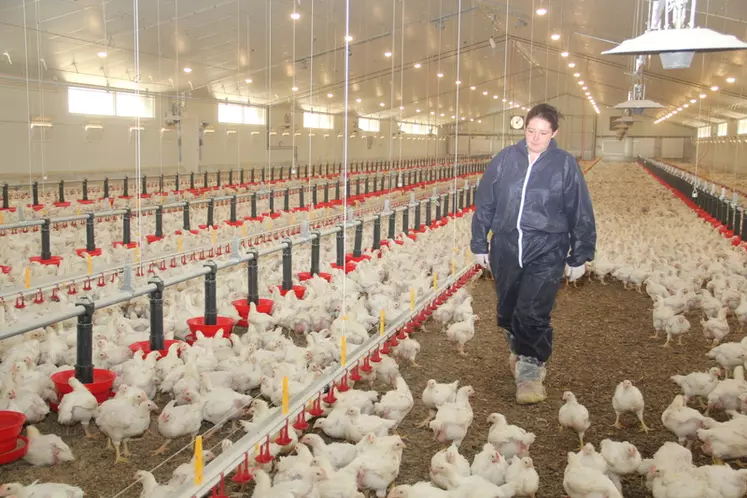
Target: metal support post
{"x":211,"y":301}
{"x":288,"y":265}
{"x":156,"y":315}
{"x":90,"y":240}
{"x":252,"y":295}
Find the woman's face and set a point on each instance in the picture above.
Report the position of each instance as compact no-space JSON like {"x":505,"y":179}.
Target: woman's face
{"x":538,"y":134}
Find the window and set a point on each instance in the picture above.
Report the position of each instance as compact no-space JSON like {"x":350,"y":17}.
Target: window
{"x":723,"y":129}
{"x":742,"y":127}
{"x":317,"y":120}
{"x":372,"y":125}
{"x":106,"y":103}
{"x":418,"y":129}
{"x":704,"y":132}
{"x":241,"y":114}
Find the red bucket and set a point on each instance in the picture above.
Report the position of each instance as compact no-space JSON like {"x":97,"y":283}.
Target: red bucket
{"x":144,"y":346}
{"x":18,"y":451}
{"x":100,"y":387}
{"x":221,"y":322}
{"x":306,"y":275}
{"x":11,"y":425}
{"x":242,"y":308}
{"x":299,"y":290}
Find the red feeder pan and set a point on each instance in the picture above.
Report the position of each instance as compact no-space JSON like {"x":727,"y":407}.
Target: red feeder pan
{"x":54,"y":260}
{"x":88,"y":201}
{"x":5,"y":269}
{"x":203,"y":227}
{"x":242,"y":308}
{"x":100,"y":387}
{"x":306,"y":275}
{"x":349,"y":258}
{"x":236,"y":223}
{"x":350,"y":266}
{"x":61,"y":204}
{"x":298,"y":290}
{"x":11,"y":425}
{"x":221,"y":322}
{"x":152,"y":238}
{"x":144,"y":346}
{"x":131,"y":245}
{"x":10,"y":209}
{"x":256,"y":218}
{"x":36,"y":207}
{"x":82,"y":252}
{"x":18,"y":451}
{"x":193,"y":232}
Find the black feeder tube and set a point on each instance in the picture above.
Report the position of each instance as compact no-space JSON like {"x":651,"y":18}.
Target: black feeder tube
{"x":233,"y":208}
{"x":446,"y":204}
{"x":469,"y":197}
{"x":90,"y":236}
{"x":61,"y":194}
{"x":326,"y":192}
{"x":185,"y":212}
{"x":358,"y":241}
{"x":313,"y":195}
{"x":192,"y":180}
{"x":417,"y":216}
{"x":144,"y":184}
{"x":160,"y":184}
{"x":252,"y":295}
{"x":438,"y":208}
{"x":316,"y":244}
{"x":210,"y":212}
{"x":743,"y":226}
{"x":254,"y":205}
{"x":286,"y":200}
{"x":205,"y":180}
{"x":377,"y":232}
{"x":211,"y":301}
{"x":177,"y":183}
{"x":230,"y":177}
{"x":427,"y":212}
{"x":85,"y":189}
{"x":271,"y":195}
{"x":159,"y":221}
{"x":366,"y":186}
{"x":263,"y":174}
{"x":358,"y":186}
{"x":288,"y":265}
{"x":251,"y":176}
{"x":337,"y":190}
{"x":46,"y":251}
{"x":35,"y":193}
{"x":461,"y":199}
{"x":392,"y":224}
{"x":340,"y":240}
{"x":272,"y":174}
{"x":126,"y":226}
{"x":5,"y":196}
{"x":738,"y":221}
{"x":241,"y":176}
{"x":156,"y":315}
{"x":126,"y":187}
{"x":84,"y":348}
{"x":406,"y":219}
{"x":217,"y":179}
{"x":300,"y":197}
{"x":729,"y":217}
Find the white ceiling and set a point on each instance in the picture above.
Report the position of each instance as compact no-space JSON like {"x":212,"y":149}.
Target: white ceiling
{"x":225,"y":42}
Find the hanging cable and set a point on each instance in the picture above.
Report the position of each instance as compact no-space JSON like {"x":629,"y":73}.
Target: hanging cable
{"x":138,"y":172}
{"x":345,"y":165}
{"x":311,"y":93}
{"x":28,"y":95}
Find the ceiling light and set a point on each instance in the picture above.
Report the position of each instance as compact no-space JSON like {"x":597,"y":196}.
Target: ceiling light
{"x":101,"y":54}
{"x":541,"y":11}
{"x":453,"y":117}
{"x":295,"y":16}
{"x":503,"y":100}
{"x":348,"y":38}
{"x":440,"y":75}
{"x":471,"y":120}
{"x":714,"y":88}
{"x":523,"y":108}
{"x":702,"y":95}
{"x":485,"y":92}
{"x":463,"y":118}
{"x":359,"y":100}
{"x":458,"y":82}
{"x":588,"y":93}
{"x":295,"y":88}
{"x":387,"y":54}
{"x":495,"y":96}
{"x":381,"y":104}
{"x":187,"y":69}
{"x":564,"y":54}
{"x":584,"y":88}
{"x":248,"y":80}
{"x":576,"y":75}
{"x":686,"y":105}
{"x":473,"y":88}
{"x":692,"y":101}
{"x":442,"y":114}
{"x":401,"y":108}
{"x":555,"y":36}
{"x":679,"y":109}
{"x":418,"y":65}
{"x":581,"y":82}
{"x":329,"y":95}
{"x":571,"y":64}
{"x":433,"y":113}
{"x":510,"y":103}
{"x":479,"y":120}
{"x":417,"y":110}
{"x":731,"y":79}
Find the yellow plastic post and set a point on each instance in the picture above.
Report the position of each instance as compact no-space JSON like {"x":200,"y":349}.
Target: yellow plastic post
{"x":435,"y":281}
{"x":89,"y":263}
{"x":199,"y":464}
{"x":285,"y":395}
{"x":343,"y":350}
{"x":453,"y":267}
{"x":269,"y":223}
{"x":2,"y":218}
{"x":77,"y":210}
{"x":243,"y":229}
{"x":382,"y":316}
{"x":213,"y":236}
{"x":292,"y":219}
{"x":27,"y":277}
{"x":412,"y":299}
{"x":137,"y":254}
{"x":179,"y":244}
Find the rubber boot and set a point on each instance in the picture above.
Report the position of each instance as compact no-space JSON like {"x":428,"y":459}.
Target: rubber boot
{"x":529,"y":378}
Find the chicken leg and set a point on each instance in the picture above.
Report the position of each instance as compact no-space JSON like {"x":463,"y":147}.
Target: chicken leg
{"x":162,"y":449}
{"x":89,"y":434}
{"x":644,"y":428}
{"x":617,"y":421}
{"x":424,"y":423}
{"x":666,"y":344}
{"x":126,"y":451}
{"x":655,"y":336}
{"x":460,"y":349}
{"x":119,"y":458}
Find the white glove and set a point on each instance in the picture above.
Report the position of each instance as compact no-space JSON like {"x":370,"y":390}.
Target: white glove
{"x":573,"y":273}
{"x":482,"y":260}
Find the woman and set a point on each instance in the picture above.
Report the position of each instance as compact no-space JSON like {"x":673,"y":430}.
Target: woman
{"x":534,"y":198}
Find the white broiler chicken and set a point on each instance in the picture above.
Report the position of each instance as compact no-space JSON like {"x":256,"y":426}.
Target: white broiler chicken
{"x":121,"y":421}
{"x":454,"y":419}
{"x":461,"y":332}
{"x":684,"y":421}
{"x":676,"y":325}
{"x":78,"y":406}
{"x":46,"y":449}
{"x":435,"y":395}
{"x":622,"y":458}
{"x":395,"y":405}
{"x":725,"y":396}
{"x":522,"y":474}
{"x":628,"y":398}
{"x":715,"y":329}
{"x":40,"y":490}
{"x":418,"y":490}
{"x":697,"y":383}
{"x":151,"y":488}
{"x":357,"y":425}
{"x":573,"y":415}
{"x":177,"y":421}
{"x":508,"y":440}
{"x":338,"y":454}
{"x":582,"y":481}
{"x":490,"y":465}
{"x":445,"y":458}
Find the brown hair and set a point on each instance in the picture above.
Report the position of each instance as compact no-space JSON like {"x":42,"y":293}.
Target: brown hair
{"x":546,"y":112}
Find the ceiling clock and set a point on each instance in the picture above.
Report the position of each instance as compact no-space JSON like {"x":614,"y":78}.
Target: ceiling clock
{"x":517,"y":122}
